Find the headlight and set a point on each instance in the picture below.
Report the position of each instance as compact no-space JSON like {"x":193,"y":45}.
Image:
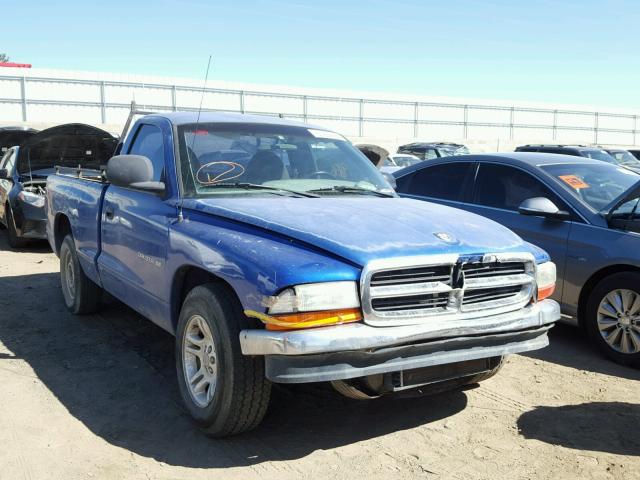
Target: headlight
{"x":545,"y":279}
{"x":314,"y":305}
{"x":31,"y":198}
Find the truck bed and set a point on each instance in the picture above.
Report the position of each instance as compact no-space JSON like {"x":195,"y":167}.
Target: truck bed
{"x":79,"y":199}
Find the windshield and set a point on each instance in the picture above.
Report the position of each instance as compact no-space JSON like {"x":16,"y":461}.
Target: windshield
{"x":595,"y":185}
{"x":598,"y":155}
{"x":233,"y":158}
{"x":624,"y":158}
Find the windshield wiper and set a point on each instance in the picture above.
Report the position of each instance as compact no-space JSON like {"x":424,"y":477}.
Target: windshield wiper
{"x":257,"y":186}
{"x":358,"y":190}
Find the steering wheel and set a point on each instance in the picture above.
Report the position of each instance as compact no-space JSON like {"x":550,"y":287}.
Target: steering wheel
{"x":322,"y":174}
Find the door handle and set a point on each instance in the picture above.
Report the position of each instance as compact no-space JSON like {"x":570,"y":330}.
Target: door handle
{"x":108,"y":211}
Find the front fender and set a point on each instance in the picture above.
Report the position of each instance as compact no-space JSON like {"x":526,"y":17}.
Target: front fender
{"x":253,"y":261}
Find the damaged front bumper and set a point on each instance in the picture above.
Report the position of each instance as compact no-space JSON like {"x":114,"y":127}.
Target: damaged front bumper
{"x":356,"y":350}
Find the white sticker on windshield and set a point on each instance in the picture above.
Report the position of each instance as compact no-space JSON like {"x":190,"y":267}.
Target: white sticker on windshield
{"x":326,"y":134}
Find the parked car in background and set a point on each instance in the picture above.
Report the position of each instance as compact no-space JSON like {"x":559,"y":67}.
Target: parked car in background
{"x":24,"y":170}
{"x":635,"y":153}
{"x":584,"y":212}
{"x":244,"y":259}
{"x":624,"y":158}
{"x":396,"y":161}
{"x":12,"y":136}
{"x":595,"y":153}
{"x":431,"y":150}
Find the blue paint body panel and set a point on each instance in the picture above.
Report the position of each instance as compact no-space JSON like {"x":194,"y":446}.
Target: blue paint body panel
{"x":259,"y":245}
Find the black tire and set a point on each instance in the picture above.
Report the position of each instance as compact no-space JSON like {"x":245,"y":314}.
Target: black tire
{"x":14,"y":240}
{"x":617,"y":281}
{"x":81,"y":294}
{"x":240,"y":398}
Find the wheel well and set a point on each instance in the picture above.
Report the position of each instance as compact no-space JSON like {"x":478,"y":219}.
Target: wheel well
{"x":185,"y":280}
{"x":590,"y":284}
{"x":61,"y":229}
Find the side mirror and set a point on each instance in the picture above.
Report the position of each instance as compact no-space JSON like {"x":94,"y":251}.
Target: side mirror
{"x":542,"y":207}
{"x":4,"y":174}
{"x":133,"y":171}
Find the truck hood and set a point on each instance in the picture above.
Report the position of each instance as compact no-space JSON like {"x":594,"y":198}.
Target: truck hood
{"x":367,"y":228}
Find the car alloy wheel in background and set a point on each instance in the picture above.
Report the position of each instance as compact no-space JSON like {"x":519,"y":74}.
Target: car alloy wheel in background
{"x":619,"y":320}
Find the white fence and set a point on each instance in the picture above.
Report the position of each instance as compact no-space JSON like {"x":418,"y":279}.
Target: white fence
{"x":52,"y":100}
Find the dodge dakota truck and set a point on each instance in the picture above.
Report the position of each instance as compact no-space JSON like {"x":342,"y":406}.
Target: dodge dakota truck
{"x":275,"y":251}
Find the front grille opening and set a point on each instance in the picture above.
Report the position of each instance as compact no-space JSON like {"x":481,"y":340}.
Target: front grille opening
{"x":412,"y":275}
{"x":429,"y":301}
{"x":483,"y":270}
{"x":490,"y":294}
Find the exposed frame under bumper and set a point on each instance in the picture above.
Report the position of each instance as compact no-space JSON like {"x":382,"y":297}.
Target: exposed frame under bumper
{"x":360,"y":336}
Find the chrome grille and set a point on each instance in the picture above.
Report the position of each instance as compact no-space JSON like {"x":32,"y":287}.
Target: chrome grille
{"x":447,"y":286}
{"x":412,"y":275}
{"x":413,"y":302}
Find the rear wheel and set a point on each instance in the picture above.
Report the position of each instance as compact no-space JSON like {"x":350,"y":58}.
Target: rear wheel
{"x":613,"y":317}
{"x":224,"y":391}
{"x":81,"y":294}
{"x":14,"y":240}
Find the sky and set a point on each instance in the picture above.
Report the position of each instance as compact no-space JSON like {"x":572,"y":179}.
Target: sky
{"x":568,"y":52}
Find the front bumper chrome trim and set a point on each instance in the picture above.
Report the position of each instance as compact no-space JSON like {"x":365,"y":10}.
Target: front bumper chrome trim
{"x":360,"y":336}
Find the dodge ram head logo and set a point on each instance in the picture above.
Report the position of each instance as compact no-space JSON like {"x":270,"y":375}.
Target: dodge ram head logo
{"x":446,"y":237}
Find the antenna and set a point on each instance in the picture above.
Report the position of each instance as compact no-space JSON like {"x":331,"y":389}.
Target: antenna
{"x":193,"y":140}
{"x":204,"y":87}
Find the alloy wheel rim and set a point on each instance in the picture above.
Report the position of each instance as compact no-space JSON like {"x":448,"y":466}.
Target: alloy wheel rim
{"x":199,"y":361}
{"x":619,"y":320}
{"x":69,"y":277}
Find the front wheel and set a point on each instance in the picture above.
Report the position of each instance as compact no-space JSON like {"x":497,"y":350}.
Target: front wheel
{"x":81,"y":294}
{"x":613,"y":317}
{"x":225,"y":392}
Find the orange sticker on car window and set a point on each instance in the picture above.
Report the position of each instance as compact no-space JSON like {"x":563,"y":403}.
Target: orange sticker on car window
{"x":574,"y":181}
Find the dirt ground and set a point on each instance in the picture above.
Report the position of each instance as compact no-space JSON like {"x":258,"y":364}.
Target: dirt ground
{"x":95,"y":397}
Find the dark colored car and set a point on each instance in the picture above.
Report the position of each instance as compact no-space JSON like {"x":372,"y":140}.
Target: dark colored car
{"x":624,"y":158}
{"x":11,"y":136}
{"x":595,"y":153}
{"x":431,"y":150}
{"x":24,"y":170}
{"x":584,"y":212}
{"x":635,"y":153}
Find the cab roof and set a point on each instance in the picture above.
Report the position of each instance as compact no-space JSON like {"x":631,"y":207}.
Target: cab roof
{"x":183,"y":118}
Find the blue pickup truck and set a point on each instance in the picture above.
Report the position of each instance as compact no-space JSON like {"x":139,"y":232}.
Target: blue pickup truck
{"x":275,"y":251}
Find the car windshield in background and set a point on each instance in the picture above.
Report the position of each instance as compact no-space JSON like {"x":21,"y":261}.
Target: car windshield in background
{"x":625,"y":158}
{"x":595,"y":185}
{"x":249,"y":159}
{"x":452,"y":151}
{"x":405,"y":161}
{"x":598,"y":155}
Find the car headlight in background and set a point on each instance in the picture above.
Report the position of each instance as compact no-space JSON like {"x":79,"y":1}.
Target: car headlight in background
{"x":545,"y":279}
{"x":31,"y":198}
{"x":314,"y":305}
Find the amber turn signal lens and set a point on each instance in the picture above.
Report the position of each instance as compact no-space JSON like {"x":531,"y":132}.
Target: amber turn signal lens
{"x":312,"y":319}
{"x":545,"y":292}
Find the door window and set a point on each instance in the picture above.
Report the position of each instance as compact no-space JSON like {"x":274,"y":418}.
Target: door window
{"x":148,"y":142}
{"x":445,"y":181}
{"x":501,"y":186}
